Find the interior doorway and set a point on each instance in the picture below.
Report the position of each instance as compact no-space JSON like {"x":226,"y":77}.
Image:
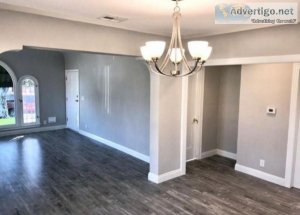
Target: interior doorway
{"x":260,"y":112}
{"x":213,"y":112}
{"x":221,"y":111}
{"x":72,"y":99}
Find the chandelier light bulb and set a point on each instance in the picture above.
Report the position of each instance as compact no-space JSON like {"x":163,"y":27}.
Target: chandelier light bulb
{"x":196,"y":48}
{"x":206,"y":53}
{"x":175,"y":55}
{"x":155,"y":48}
{"x":145,"y":53}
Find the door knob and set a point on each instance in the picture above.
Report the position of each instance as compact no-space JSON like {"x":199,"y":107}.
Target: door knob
{"x":195,"y":121}
{"x":76,"y":100}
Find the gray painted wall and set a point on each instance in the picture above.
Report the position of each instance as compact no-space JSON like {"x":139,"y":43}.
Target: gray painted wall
{"x":221,"y":108}
{"x":210,"y":109}
{"x":48,"y":68}
{"x":279,"y":40}
{"x":170,"y":124}
{"x":228,"y":112}
{"x":262,"y":136}
{"x":126,"y":119}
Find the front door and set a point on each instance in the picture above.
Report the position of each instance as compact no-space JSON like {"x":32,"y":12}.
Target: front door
{"x":72,"y":99}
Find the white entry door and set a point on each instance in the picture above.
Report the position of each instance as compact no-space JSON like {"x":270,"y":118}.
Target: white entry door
{"x":72,"y":99}
{"x":195,"y":118}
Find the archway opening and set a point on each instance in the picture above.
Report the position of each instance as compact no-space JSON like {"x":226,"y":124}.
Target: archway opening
{"x":7,"y":98}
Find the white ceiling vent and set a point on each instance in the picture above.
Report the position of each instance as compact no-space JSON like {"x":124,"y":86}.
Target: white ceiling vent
{"x":112,"y":18}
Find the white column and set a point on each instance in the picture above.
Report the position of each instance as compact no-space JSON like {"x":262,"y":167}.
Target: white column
{"x":168,"y":115}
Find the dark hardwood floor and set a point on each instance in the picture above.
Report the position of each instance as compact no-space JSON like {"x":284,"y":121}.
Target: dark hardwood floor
{"x":62,"y":172}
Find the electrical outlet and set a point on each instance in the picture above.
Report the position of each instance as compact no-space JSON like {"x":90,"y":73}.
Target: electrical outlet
{"x":262,"y":163}
{"x":271,"y":111}
{"x":52,"y":119}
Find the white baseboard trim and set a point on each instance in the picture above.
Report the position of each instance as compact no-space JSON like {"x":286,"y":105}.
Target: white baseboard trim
{"x":260,"y":174}
{"x":31,"y":130}
{"x":116,"y":146}
{"x":226,"y":154}
{"x":165,"y":177}
{"x":218,"y":152}
{"x":192,"y":159}
{"x":208,"y":153}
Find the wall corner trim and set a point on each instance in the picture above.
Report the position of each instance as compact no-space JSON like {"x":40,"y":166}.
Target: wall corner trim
{"x":226,"y":154}
{"x":260,"y":174}
{"x":117,"y":146}
{"x":31,"y":130}
{"x":220,"y":152}
{"x":208,"y":153}
{"x":165,"y":177}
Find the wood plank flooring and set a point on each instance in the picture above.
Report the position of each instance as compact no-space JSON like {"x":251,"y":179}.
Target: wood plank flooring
{"x":62,"y":172}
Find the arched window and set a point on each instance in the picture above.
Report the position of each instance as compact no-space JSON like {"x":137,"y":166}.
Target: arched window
{"x":7,"y":97}
{"x":29,"y":99}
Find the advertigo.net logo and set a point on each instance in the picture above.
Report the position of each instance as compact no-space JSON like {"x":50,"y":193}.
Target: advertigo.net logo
{"x":256,"y":13}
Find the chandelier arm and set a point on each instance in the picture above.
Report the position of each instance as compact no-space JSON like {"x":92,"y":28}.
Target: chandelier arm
{"x":154,"y":70}
{"x":193,"y":70}
{"x":175,"y":16}
{"x":158,"y":69}
{"x":167,"y":57}
{"x":181,"y":48}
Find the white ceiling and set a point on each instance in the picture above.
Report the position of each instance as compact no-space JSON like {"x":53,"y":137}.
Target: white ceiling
{"x":149,"y":16}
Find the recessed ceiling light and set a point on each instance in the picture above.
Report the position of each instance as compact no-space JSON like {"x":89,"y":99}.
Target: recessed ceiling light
{"x":112,"y":18}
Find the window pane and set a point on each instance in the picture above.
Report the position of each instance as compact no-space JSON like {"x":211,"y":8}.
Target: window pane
{"x":7,"y":99}
{"x":28,"y":97}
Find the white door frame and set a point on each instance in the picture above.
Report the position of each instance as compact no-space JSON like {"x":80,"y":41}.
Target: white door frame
{"x":198,"y":114}
{"x":74,"y":70}
{"x":294,"y":103}
{"x":293,"y":135}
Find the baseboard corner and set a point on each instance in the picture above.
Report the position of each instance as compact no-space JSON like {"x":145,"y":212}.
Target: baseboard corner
{"x":157,"y":179}
{"x":260,"y":174}
{"x":208,"y":153}
{"x":226,"y":154}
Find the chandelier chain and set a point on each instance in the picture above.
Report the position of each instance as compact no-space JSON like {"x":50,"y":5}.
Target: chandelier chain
{"x":177,"y":8}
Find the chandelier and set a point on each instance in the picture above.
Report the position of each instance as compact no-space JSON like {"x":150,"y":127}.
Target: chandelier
{"x":175,"y":63}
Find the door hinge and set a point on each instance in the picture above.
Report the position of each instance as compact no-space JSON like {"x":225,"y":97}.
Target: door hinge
{"x":67,"y":119}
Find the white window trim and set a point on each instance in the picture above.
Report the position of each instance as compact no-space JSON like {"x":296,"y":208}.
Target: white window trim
{"x":37,"y":102}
